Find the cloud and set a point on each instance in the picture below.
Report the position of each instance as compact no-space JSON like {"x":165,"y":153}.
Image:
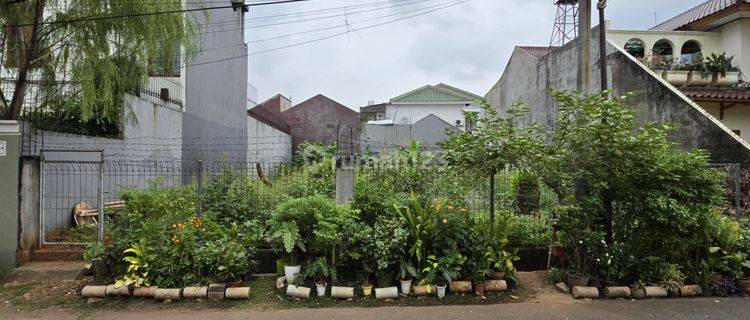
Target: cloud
{"x":466,"y":45}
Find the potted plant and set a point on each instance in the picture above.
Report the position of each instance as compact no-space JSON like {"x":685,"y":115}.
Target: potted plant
{"x":440,"y":271}
{"x":319,"y":271}
{"x":721,"y":69}
{"x":285,"y":230}
{"x":406,"y":273}
{"x":366,"y":288}
{"x":478,"y":278}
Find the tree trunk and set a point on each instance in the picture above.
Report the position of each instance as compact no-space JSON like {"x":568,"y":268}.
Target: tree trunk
{"x":28,"y":56}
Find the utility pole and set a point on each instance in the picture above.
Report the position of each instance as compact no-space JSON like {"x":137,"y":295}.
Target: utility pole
{"x":584,"y":46}
{"x":602,"y":45}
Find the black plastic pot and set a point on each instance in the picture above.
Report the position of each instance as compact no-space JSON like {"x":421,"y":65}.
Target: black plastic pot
{"x":384,"y":280}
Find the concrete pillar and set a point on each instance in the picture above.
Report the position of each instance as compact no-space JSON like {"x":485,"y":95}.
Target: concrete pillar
{"x":29,"y":209}
{"x":344,"y":179}
{"x":10,"y":158}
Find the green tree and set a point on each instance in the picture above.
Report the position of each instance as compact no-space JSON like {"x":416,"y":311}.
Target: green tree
{"x":105,"y":48}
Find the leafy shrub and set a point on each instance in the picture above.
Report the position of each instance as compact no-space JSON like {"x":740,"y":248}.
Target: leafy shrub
{"x":555,"y":276}
{"x":158,"y":227}
{"x":525,"y":231}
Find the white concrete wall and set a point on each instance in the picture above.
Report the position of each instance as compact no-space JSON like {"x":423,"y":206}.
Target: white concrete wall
{"x":736,"y":117}
{"x":415,"y":112}
{"x":155,"y":134}
{"x":266,"y":144}
{"x":735,"y":39}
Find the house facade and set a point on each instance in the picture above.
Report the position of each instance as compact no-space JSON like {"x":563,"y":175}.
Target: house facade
{"x":531,"y":71}
{"x":318,"y":119}
{"x":443,"y":101}
{"x":714,"y":27}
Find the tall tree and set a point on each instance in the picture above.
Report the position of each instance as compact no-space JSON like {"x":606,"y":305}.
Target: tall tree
{"x":100,"y":49}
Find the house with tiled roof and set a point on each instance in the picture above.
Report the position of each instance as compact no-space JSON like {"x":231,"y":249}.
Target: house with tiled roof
{"x":677,"y":44}
{"x":269,"y":137}
{"x":441,"y":100}
{"x":710,"y":110}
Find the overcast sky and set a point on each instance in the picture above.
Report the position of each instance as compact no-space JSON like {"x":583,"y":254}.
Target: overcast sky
{"x":466,"y":45}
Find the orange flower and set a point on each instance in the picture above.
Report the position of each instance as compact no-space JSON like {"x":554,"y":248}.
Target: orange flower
{"x":437,"y":207}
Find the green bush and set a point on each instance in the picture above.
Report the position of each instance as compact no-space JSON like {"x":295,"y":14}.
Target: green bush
{"x":158,"y":227}
{"x":525,"y":231}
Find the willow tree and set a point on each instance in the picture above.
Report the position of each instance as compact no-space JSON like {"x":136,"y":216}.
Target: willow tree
{"x":89,"y":52}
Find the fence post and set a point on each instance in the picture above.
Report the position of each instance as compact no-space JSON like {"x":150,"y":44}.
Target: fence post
{"x":492,"y":201}
{"x":200,"y":188}
{"x":738,"y":191}
{"x":41,"y":199}
{"x":101,"y":197}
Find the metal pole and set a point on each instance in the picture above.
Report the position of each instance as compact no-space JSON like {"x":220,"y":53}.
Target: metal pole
{"x":602,"y":45}
{"x":41,"y":198}
{"x":492,"y":201}
{"x":584,"y":46}
{"x":738,"y":190}
{"x":101,"y":197}
{"x":200,"y":188}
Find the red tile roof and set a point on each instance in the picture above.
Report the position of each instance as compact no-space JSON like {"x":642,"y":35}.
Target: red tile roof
{"x":269,"y":112}
{"x":699,"y":12}
{"x":718,"y":94}
{"x":537,"y":52}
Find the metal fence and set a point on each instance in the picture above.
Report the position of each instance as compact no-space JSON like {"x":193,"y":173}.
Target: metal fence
{"x":74,"y":185}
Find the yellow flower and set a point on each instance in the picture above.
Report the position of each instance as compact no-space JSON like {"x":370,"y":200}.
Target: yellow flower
{"x":445,"y":221}
{"x":463,"y":210}
{"x":437,"y":207}
{"x":174,"y":226}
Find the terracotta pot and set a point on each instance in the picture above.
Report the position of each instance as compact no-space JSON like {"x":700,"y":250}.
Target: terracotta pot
{"x":557,"y":251}
{"x":460,"y":286}
{"x":479,"y":289}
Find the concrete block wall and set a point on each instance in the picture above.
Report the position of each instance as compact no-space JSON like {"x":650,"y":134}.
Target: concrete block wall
{"x":526,"y":80}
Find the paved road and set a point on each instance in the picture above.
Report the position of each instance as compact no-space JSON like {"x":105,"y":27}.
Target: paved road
{"x":555,"y":308}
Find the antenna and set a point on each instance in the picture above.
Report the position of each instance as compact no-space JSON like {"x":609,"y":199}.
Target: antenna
{"x":566,"y":22}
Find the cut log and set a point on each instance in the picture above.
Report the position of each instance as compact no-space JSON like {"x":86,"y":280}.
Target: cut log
{"x":122,"y":291}
{"x":422,"y":291}
{"x":195,"y":292}
{"x":585,"y":292}
{"x":167,"y":294}
{"x":690,"y":291}
{"x":298,"y":292}
{"x":386,"y":293}
{"x":650,"y":292}
{"x":144,"y":292}
{"x":617,"y":292}
{"x":342,"y":292}
{"x":94,"y":291}
{"x":238,"y":293}
{"x":460,"y":286}
{"x":496,"y":285}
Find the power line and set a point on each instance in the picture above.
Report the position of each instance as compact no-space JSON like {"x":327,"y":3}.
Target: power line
{"x":93,"y":18}
{"x":326,"y":37}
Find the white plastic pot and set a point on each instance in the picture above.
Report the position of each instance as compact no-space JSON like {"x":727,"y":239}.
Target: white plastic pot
{"x":441,"y":291}
{"x":405,"y":287}
{"x":320,"y":288}
{"x":291,"y":272}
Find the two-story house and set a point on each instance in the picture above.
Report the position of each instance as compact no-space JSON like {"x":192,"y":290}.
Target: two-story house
{"x":441,"y":100}
{"x":675,"y":47}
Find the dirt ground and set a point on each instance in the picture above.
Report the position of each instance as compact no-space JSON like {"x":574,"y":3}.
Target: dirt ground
{"x":536,"y":300}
